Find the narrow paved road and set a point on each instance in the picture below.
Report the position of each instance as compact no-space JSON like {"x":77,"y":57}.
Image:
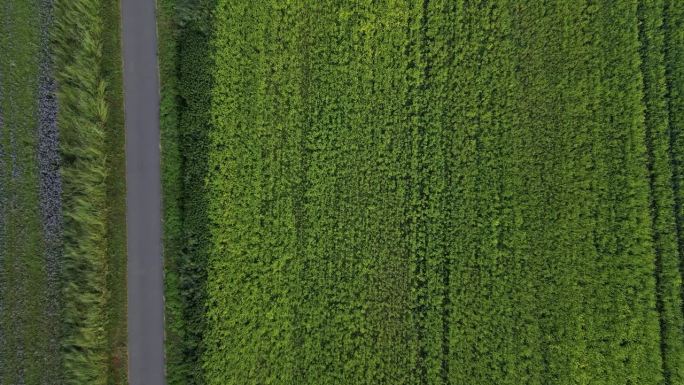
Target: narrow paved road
{"x":145,"y":285}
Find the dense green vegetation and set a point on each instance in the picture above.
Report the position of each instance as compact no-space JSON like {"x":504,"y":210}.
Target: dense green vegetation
{"x":186,"y":85}
{"x":442,"y":192}
{"x":171,"y":188}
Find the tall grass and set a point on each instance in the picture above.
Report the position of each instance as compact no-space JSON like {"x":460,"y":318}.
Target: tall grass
{"x":83,"y":112}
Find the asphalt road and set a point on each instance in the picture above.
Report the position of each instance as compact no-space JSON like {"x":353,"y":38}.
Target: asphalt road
{"x":145,"y":284}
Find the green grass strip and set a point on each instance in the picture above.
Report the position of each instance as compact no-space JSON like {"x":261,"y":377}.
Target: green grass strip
{"x":26,"y":345}
{"x":116,"y":194}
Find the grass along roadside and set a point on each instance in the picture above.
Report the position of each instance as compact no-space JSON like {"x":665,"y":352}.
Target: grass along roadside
{"x":116,"y":192}
{"x":183,"y":28}
{"x":91,"y":128}
{"x":171,"y":188}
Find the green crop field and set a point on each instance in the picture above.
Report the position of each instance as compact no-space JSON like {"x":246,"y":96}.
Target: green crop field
{"x":62,"y":194}
{"x":434,"y":192}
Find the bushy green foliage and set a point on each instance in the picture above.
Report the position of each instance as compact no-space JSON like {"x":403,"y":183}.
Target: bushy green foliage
{"x":186,"y":87}
{"x":172,"y":185}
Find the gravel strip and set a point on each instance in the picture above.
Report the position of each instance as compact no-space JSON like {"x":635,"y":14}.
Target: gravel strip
{"x":50,"y":189}
{"x":3,"y":206}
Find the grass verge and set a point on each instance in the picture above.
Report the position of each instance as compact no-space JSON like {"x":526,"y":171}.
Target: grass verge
{"x":186,"y":84}
{"x":116,"y":192}
{"x":171,"y":184}
{"x":88,"y":61}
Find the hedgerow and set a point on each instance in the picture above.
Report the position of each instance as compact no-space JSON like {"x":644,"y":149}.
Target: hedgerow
{"x":186,"y":87}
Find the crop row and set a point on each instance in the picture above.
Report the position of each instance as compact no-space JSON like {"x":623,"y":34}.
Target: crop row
{"x":663,"y":204}
{"x":673,"y":25}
